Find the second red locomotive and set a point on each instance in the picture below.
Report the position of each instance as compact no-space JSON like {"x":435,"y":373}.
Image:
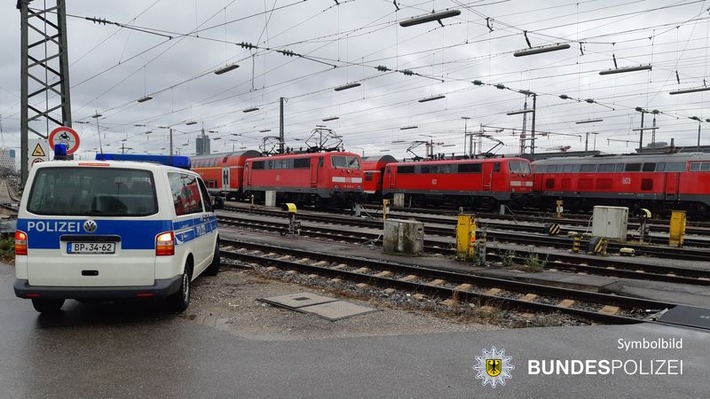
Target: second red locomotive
{"x":659,"y":182}
{"x":475,"y":183}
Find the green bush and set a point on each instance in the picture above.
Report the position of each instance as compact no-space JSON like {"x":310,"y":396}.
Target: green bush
{"x":7,"y":248}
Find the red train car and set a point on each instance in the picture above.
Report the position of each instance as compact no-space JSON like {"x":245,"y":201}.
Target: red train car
{"x":474,"y":183}
{"x":373,"y":169}
{"x":223,"y":173}
{"x":659,"y":182}
{"x":322,"y":179}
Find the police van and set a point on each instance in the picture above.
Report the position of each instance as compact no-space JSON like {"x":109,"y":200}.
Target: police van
{"x":114,"y":229}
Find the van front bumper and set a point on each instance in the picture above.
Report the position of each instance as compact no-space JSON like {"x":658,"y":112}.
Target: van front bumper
{"x":161,"y":289}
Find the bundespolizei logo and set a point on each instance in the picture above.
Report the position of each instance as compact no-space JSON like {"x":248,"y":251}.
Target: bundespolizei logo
{"x":493,"y":367}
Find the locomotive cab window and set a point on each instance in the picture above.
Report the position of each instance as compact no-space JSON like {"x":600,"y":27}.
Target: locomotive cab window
{"x":519,"y":167}
{"x":345,"y":162}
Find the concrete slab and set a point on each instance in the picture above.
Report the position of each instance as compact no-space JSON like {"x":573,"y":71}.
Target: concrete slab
{"x":297,"y":300}
{"x":689,"y":295}
{"x":688,"y":316}
{"x":337,"y":310}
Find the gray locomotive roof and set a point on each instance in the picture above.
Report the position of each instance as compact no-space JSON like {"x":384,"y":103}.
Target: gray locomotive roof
{"x":247,"y":153}
{"x":632,"y":158}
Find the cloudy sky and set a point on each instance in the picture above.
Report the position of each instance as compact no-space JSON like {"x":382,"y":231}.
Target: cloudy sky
{"x":301,"y":50}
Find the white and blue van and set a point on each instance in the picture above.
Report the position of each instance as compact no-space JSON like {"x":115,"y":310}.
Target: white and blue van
{"x":113,"y":229}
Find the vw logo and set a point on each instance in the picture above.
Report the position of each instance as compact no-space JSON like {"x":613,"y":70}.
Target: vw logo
{"x":90,"y":226}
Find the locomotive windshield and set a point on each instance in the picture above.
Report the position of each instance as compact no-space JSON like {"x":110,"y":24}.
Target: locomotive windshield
{"x":519,"y":167}
{"x":345,"y":162}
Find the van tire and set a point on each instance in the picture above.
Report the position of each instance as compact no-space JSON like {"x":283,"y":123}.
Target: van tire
{"x":213,"y":268}
{"x":47,"y":305}
{"x":179,"y":301}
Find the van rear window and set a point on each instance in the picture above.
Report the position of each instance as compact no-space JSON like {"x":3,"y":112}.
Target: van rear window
{"x":92,"y":191}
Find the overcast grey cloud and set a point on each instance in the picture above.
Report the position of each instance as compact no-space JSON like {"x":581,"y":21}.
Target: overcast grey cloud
{"x":302,"y":50}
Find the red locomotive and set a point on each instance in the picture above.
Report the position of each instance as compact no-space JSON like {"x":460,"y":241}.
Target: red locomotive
{"x":477,"y":183}
{"x":223,"y":173}
{"x":321,"y":178}
{"x":659,"y":182}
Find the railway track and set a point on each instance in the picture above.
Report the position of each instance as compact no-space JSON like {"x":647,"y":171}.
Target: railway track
{"x":594,"y":265}
{"x":569,"y":221}
{"x":694,"y":249}
{"x":660,"y":225}
{"x":455,"y":287}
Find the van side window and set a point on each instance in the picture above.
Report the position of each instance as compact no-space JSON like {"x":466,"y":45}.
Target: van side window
{"x":186,"y":193}
{"x":205,"y":196}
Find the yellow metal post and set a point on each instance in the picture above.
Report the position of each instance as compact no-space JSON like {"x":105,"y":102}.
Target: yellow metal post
{"x":677,"y":229}
{"x":466,"y":236}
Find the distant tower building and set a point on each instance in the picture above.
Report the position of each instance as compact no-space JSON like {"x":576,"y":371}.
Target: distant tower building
{"x":202,"y":144}
{"x":7,"y":159}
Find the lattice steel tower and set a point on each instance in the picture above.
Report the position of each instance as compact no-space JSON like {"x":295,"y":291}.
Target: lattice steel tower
{"x":44,"y":72}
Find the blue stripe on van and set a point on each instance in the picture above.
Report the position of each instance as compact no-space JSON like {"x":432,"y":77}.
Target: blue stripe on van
{"x":135,"y":234}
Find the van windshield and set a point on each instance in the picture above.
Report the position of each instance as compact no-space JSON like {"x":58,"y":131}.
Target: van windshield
{"x":92,"y":191}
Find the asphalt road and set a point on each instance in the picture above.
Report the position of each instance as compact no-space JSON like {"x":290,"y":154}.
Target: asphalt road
{"x":134,"y":350}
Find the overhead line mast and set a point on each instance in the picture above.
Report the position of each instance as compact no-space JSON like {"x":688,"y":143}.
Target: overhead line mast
{"x":45,"y":66}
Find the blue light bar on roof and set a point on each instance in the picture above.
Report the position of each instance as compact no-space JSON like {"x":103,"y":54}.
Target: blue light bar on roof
{"x":177,"y":161}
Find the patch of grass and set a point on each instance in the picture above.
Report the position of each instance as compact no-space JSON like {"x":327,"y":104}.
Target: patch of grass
{"x":508,"y":258}
{"x":7,"y":249}
{"x":534,"y":264}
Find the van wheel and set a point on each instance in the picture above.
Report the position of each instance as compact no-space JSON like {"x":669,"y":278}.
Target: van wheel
{"x":179,"y":301}
{"x":213,"y":268}
{"x":47,"y":305}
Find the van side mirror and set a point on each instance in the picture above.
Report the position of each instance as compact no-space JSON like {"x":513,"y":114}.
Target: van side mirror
{"x":217,"y":202}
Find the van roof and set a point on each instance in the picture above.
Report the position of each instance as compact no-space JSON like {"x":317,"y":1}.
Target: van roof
{"x":117,"y":164}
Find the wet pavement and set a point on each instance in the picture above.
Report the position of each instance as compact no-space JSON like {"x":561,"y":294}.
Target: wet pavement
{"x":137,"y":350}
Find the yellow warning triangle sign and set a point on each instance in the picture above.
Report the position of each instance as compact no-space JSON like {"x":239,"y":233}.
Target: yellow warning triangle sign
{"x":38,"y":151}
